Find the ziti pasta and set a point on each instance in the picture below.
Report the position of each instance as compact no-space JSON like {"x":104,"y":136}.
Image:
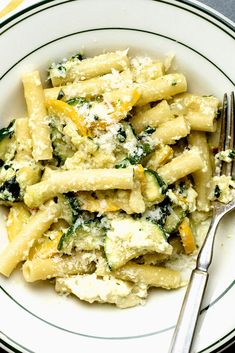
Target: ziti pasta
{"x":109,"y":177}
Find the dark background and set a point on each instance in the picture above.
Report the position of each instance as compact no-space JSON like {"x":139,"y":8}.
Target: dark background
{"x":227,"y":8}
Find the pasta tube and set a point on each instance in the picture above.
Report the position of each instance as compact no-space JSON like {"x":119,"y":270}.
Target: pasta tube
{"x":40,"y":132}
{"x":202,"y":177}
{"x":187,"y":163}
{"x":163,"y":87}
{"x":17,"y":250}
{"x":92,"y":87}
{"x":148,"y":72}
{"x":152,"y":117}
{"x":153,"y":276}
{"x":18,"y":216}
{"x":58,"y":266}
{"x":91,"y":67}
{"x":201,"y":122}
{"x":23,"y":140}
{"x":201,"y":112}
{"x":131,"y":201}
{"x":160,"y":157}
{"x":78,"y":180}
{"x":171,"y":131}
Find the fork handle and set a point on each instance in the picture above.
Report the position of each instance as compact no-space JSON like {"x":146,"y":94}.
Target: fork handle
{"x":185,"y":327}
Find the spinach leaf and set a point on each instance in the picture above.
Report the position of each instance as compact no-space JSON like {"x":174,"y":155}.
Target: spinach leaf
{"x":7,"y":131}
{"x":10,"y":190}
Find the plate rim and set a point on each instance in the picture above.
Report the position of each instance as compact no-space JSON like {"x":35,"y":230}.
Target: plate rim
{"x":191,"y":4}
{"x":116,"y":28}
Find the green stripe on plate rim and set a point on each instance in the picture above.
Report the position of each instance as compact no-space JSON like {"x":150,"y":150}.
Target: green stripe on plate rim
{"x":8,"y":346}
{"x":169,"y":3}
{"x":130,"y":337}
{"x":178,"y":4}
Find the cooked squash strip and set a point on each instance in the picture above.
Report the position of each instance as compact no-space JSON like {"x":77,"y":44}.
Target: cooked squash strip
{"x":93,"y":203}
{"x":17,"y":218}
{"x":46,"y":247}
{"x":186,"y":236}
{"x":122,"y":102}
{"x":64,"y":110}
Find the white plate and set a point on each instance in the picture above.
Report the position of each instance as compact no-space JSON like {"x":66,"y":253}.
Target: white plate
{"x":32,"y":317}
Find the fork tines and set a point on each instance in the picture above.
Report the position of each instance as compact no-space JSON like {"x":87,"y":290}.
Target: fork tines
{"x":227,"y":134}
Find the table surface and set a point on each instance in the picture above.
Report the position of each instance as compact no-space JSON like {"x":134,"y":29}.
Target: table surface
{"x":227,"y":8}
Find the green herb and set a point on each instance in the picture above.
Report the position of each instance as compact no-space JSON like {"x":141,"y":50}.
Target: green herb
{"x":174,"y":83}
{"x":123,"y":164}
{"x":136,"y":216}
{"x":61,"y":94}
{"x":10,"y":190}
{"x":61,"y":149}
{"x":62,"y":70}
{"x":182,"y":187}
{"x":7,"y":131}
{"x":96,"y":118}
{"x":77,"y":56}
{"x":93,"y":194}
{"x":141,"y":151}
{"x":136,"y":156}
{"x":77,"y":101}
{"x":161,"y":182}
{"x":149,"y":130}
{"x":163,"y":210}
{"x":7,"y":166}
{"x":98,"y":99}
{"x":146,"y":149}
{"x":72,"y":229}
{"x":74,"y":204}
{"x":231,"y":154}
{"x":128,"y":117}
{"x":121,"y":135}
{"x":217,"y":192}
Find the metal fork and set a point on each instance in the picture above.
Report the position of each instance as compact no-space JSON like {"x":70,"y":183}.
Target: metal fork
{"x":186,"y":324}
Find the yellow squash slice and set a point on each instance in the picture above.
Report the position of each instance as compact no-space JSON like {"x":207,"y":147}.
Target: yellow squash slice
{"x":64,"y":110}
{"x":186,"y":236}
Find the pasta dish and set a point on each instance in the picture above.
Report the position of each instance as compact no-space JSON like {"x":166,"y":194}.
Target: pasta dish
{"x":108,"y":177}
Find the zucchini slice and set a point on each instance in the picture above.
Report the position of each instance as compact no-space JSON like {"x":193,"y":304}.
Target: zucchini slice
{"x":128,"y":238}
{"x":135,"y":148}
{"x":154,"y":187}
{"x":129,"y":134}
{"x":88,"y":237}
{"x":173,"y":220}
{"x":70,"y":207}
{"x":82,"y":235}
{"x":187,"y":236}
{"x":85,"y":231}
{"x":62,"y":149}
{"x":71,"y":213}
{"x":7,"y":149}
